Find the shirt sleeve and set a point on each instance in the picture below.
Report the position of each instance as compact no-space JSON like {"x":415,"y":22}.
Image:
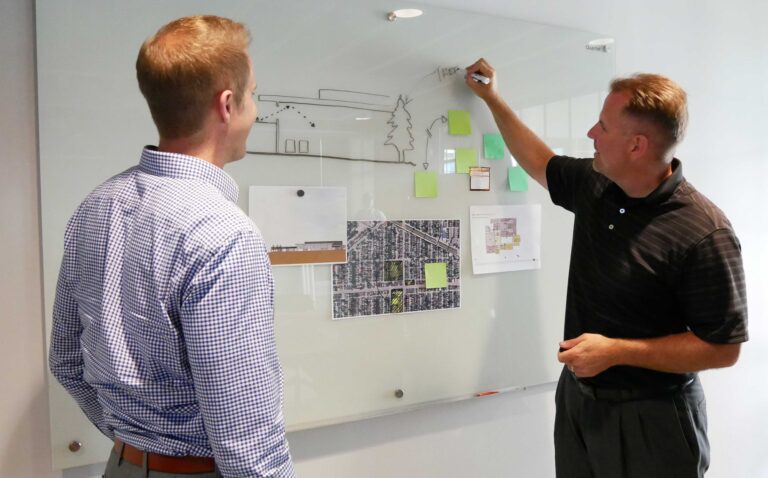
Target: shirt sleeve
{"x":228,"y":326}
{"x":713,"y":292}
{"x":566,"y":177}
{"x":65,"y":357}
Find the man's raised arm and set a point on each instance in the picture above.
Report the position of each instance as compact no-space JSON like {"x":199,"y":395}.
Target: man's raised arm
{"x":527,"y":148}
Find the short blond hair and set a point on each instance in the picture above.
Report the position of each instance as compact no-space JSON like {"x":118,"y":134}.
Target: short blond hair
{"x":186,"y":64}
{"x":658,"y":100}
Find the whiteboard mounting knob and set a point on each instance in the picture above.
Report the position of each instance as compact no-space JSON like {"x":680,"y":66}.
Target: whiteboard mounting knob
{"x":399,"y":393}
{"x":75,"y":446}
{"x":600,"y":44}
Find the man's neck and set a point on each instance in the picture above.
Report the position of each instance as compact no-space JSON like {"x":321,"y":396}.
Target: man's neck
{"x":189,"y":146}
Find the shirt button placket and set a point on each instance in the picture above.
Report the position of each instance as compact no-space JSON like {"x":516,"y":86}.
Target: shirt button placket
{"x":621,"y":211}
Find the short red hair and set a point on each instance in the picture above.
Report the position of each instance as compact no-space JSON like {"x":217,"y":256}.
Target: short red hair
{"x":186,"y":64}
{"x":658,"y":100}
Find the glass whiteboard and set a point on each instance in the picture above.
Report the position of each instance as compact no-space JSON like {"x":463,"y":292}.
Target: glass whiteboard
{"x":347,"y":99}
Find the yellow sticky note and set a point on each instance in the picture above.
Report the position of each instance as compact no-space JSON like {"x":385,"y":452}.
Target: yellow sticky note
{"x":458,"y":123}
{"x":426,"y":184}
{"x":436,"y":275}
{"x":518,"y":180}
{"x":465,"y":158}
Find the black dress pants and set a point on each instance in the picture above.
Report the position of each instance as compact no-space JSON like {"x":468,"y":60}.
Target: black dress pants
{"x":655,"y":437}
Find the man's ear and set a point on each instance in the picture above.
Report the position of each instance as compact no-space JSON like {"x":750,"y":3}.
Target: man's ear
{"x":640,"y":145}
{"x":225,"y":105}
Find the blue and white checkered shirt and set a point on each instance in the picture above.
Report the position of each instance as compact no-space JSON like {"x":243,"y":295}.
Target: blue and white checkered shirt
{"x":163,"y":320}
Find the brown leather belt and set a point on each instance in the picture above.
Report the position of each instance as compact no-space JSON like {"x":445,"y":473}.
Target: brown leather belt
{"x":165,"y":463}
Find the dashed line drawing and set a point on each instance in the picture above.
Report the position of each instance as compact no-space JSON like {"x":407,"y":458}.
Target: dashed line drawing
{"x":285,"y":108}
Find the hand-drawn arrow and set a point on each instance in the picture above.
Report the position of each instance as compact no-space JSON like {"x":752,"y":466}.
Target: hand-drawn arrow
{"x":442,"y":120}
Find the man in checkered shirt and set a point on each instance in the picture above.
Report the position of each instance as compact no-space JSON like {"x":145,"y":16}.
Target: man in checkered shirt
{"x":163,"y":320}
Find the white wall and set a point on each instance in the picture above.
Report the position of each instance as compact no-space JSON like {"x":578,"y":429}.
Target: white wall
{"x":24,"y":450}
{"x":716,"y":50}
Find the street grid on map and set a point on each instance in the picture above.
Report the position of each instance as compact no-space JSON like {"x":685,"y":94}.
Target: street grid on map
{"x":384,"y":273}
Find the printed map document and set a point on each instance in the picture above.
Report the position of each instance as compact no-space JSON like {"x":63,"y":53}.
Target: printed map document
{"x":505,"y":238}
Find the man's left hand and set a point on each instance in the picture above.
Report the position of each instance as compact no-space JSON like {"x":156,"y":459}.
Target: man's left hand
{"x":588,"y":354}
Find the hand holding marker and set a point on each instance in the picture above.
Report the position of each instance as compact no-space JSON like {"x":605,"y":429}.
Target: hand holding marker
{"x":480,"y":78}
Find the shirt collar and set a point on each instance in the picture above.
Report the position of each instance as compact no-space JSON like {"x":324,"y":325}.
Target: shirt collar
{"x":662,"y":193}
{"x":668,"y":186}
{"x":182,"y":166}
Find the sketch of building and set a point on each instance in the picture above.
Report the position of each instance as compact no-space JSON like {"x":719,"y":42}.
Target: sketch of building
{"x":384,"y":273}
{"x":336,"y":124}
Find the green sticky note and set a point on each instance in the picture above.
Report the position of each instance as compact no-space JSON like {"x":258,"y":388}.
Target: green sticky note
{"x":436,"y":275}
{"x":458,"y":123}
{"x":465,"y":157}
{"x":493,"y":146}
{"x":426,"y":184}
{"x":518,"y":180}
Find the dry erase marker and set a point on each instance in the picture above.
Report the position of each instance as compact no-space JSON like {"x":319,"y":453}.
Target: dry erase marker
{"x":481,"y":78}
{"x":485,"y":394}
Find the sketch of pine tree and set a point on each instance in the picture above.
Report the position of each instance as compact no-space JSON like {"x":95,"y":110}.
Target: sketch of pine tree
{"x":400,"y":136}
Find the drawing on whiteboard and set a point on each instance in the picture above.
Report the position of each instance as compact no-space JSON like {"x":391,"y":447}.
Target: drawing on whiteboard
{"x":444,"y":72}
{"x":263,"y":119}
{"x":388,"y":266}
{"x":443,"y":120}
{"x":400,"y":136}
{"x":283,"y":131}
{"x":441,"y":73}
{"x":340,"y":124}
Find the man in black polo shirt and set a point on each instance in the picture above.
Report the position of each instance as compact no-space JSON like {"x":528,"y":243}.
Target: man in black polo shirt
{"x":655,"y":290}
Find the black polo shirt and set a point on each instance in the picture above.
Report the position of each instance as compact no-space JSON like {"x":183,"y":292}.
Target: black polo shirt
{"x":648,"y":267}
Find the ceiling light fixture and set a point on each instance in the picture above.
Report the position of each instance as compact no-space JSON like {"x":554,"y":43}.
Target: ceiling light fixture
{"x":404,"y":13}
